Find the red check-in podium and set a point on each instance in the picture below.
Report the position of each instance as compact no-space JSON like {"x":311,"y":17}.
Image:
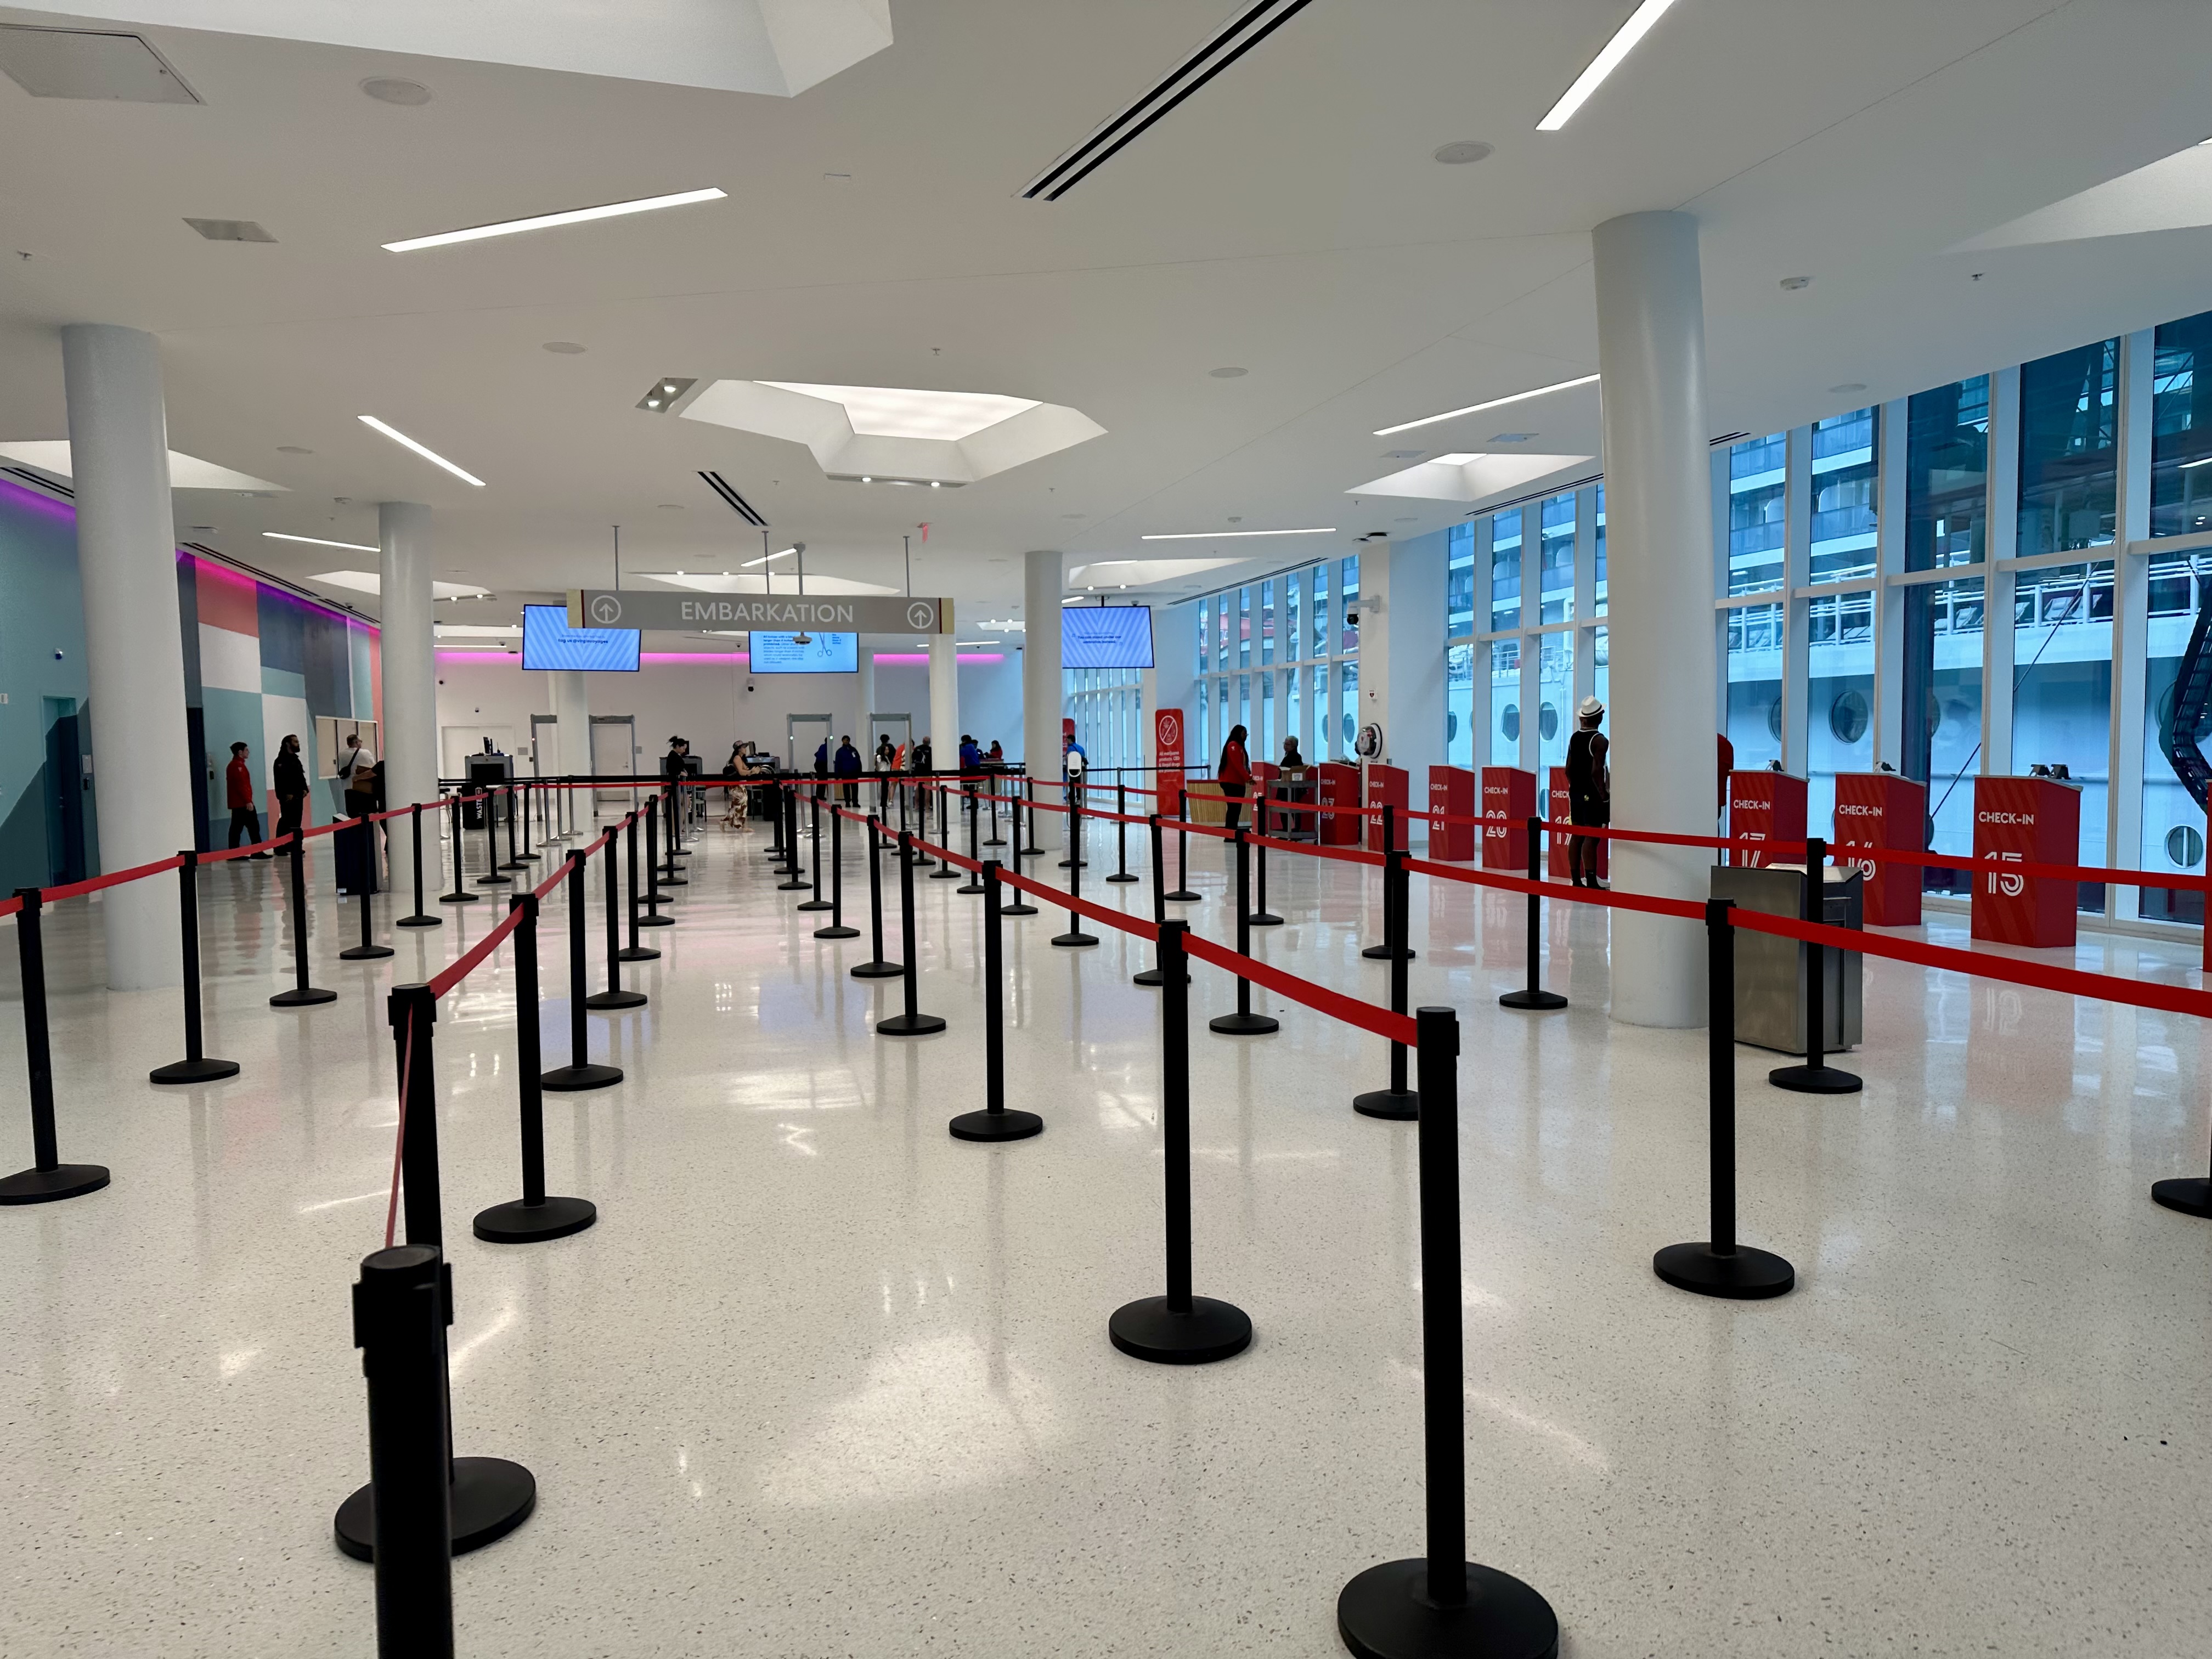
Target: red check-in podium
{"x":1339,"y":786}
{"x":1766,"y":806}
{"x":1562,"y":810}
{"x":2026,"y":821}
{"x":1883,"y":809}
{"x":1509,"y":801}
{"x":1386,"y":786}
{"x":1451,"y":792}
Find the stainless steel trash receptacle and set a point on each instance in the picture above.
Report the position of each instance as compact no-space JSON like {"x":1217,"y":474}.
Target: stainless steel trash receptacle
{"x":1770,"y":971}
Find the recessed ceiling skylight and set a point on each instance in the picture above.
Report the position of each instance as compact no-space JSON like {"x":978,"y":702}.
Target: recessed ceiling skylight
{"x":51,"y":455}
{"x":368,"y":581}
{"x":882,"y":411}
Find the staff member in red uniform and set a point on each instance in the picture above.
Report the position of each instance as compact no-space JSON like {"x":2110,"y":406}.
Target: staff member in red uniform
{"x":238,"y":793}
{"x":1234,"y":772}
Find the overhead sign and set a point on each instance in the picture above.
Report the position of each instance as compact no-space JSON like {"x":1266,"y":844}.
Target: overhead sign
{"x":772,"y":613}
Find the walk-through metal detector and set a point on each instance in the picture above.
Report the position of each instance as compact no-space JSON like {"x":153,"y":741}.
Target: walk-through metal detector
{"x":899,"y":727}
{"x":803,"y":735}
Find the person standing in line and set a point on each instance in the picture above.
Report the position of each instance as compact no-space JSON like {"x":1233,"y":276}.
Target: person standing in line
{"x":822,"y":759}
{"x":848,"y":767}
{"x":290,"y":779}
{"x":350,"y":759}
{"x":886,"y":754}
{"x":1589,"y":791}
{"x":238,"y":794}
{"x":1234,"y":772}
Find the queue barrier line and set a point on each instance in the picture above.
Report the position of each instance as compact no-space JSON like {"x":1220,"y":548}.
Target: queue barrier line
{"x":1392,"y":1028}
{"x":93,"y":883}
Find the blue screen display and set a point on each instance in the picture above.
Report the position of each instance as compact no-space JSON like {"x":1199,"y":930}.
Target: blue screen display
{"x":548,"y":641}
{"x":1106,"y":636}
{"x":822,"y":653}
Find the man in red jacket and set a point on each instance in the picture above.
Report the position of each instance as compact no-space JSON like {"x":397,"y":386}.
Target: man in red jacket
{"x":237,"y":790}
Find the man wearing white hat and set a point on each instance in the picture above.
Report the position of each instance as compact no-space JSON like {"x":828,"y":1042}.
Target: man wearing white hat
{"x":1589,"y":790}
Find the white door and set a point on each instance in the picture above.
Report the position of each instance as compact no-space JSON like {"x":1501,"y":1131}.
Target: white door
{"x":614,"y":753}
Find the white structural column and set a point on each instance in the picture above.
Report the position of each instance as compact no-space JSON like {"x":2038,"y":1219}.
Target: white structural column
{"x":1040,"y":685}
{"x":127,"y":559}
{"x":410,"y":670}
{"x":572,"y":739}
{"x":943,"y":726}
{"x":1652,"y":351}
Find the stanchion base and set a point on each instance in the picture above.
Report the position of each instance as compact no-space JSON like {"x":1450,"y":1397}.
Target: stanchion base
{"x":839,"y":932}
{"x":607,"y":999}
{"x":1150,"y":1329}
{"x":637,"y":953}
{"x":45,"y":1186}
{"x":1382,"y":953}
{"x":1017,"y":909}
{"x":946,"y":873}
{"x":794,"y":885}
{"x":2188,"y":1196}
{"x":491,"y":1497}
{"x":1400,"y":1105}
{"x":1386,"y":1613}
{"x":460,"y":898}
{"x":1154,"y":976}
{"x":1264,"y":919}
{"x":193,"y":1071}
{"x":306,"y":996}
{"x":1072,"y":941}
{"x":1538,"y":1001}
{"x":656,"y":921}
{"x":1815,"y":1081}
{"x":1182,"y":896}
{"x":518,"y":864}
{"x":495,"y":881}
{"x":995,"y":841}
{"x":1243,"y":1024}
{"x":1065,"y":864}
{"x":667,"y":880}
{"x":568,"y":1079}
{"x":877,"y":969}
{"x":996,"y":1126}
{"x":1749,"y":1275}
{"x":972,"y":886}
{"x":365,"y":953}
{"x":421,"y":921}
{"x":525,"y":1224}
{"x":815,"y":904}
{"x":909,"y":1025}
{"x":1121,"y":878}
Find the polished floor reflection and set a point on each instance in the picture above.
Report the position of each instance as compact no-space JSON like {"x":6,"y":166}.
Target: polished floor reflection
{"x":825,"y":1381}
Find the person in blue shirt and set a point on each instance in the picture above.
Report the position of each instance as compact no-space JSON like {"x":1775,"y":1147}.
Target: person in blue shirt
{"x":971,"y":755}
{"x":1074,"y":762}
{"x":849,"y":767}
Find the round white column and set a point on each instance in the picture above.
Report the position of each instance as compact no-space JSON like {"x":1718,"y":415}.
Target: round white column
{"x":410,"y":670}
{"x":572,"y":740}
{"x":1659,"y":566}
{"x":127,"y":560}
{"x":1040,"y":685}
{"x":944,"y":700}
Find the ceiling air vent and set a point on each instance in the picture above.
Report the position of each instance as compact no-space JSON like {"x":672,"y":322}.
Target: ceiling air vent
{"x":230,"y":230}
{"x":739,"y":504}
{"x":1248,"y":29}
{"x":97,"y":63}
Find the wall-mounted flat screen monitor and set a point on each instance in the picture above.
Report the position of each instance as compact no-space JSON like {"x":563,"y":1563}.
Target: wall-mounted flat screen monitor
{"x":1106,"y":636}
{"x":548,"y":641}
{"x":821,"y":653}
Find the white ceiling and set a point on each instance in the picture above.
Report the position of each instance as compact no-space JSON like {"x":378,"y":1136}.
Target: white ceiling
{"x":1287,"y":220}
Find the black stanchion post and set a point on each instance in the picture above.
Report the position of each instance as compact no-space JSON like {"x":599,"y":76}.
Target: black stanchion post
{"x":1261,"y":915}
{"x":529,"y":791}
{"x":535,"y":1216}
{"x":1397,"y":1102}
{"x":48,"y":1178}
{"x":491,"y":877}
{"x":1177,"y":1328}
{"x":974,"y":882}
{"x":1182,"y":893}
{"x":421,"y":918}
{"x":814,"y":804}
{"x":367,"y":949}
{"x":669,"y":875}
{"x":837,"y":929}
{"x":302,"y":994}
{"x":996,"y":839}
{"x":580,"y":1072}
{"x":611,"y":881}
{"x":1075,"y":939}
{"x":774,"y":848}
{"x":1390,"y":851}
{"x":793,"y":877}
{"x":994,"y":1122}
{"x":653,"y":877}
{"x":1441,"y":1606}
{"x":633,"y":952}
{"x":460,"y":895}
{"x":1533,"y":997}
{"x":1121,"y":833}
{"x":1815,"y":1076}
{"x":195,"y":1067}
{"x":875,"y":967}
{"x":911,"y":1022}
{"x":1719,"y":1267}
{"x":515,"y":859}
{"x":944,"y":871}
{"x":1153,"y":975}
{"x":1244,"y":1022}
{"x":399,"y":1325}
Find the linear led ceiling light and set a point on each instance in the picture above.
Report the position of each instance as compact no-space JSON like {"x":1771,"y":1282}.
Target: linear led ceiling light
{"x":1223,"y":535}
{"x":550,"y":221}
{"x":1607,"y":60}
{"x":427,"y":453}
{"x":765,"y":558}
{"x":317,"y":541}
{"x":1495,"y":403}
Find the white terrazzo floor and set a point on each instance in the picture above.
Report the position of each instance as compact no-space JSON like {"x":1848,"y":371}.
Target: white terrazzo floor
{"x":824,"y":1382}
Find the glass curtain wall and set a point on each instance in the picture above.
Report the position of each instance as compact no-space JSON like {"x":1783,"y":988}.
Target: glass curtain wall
{"x":1280,"y":657}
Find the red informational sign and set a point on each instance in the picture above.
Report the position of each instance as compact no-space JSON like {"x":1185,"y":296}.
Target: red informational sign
{"x":1167,"y":755}
{"x":1766,"y":806}
{"x":1451,"y":789}
{"x":1562,"y":809}
{"x":1883,"y":809}
{"x":1386,"y":786}
{"x":2026,"y":821}
{"x":1338,"y":786}
{"x":1509,"y":801}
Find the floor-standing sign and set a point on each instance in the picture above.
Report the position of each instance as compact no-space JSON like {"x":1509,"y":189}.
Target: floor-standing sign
{"x":1451,"y":792}
{"x":1339,"y":786}
{"x":1509,"y":801}
{"x":2026,"y":821}
{"x":1167,"y":756}
{"x":1562,"y":809}
{"x":1766,"y":806}
{"x":1883,"y":809}
{"x":1386,"y":785}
